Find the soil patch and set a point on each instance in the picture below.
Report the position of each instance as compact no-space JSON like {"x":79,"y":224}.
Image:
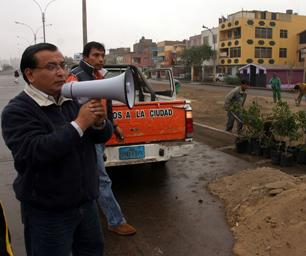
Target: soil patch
{"x":266,"y":210}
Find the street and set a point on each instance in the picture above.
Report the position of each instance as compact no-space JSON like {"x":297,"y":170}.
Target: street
{"x":169,"y":205}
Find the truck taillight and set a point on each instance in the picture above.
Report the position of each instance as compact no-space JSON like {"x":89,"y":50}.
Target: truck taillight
{"x":189,"y":124}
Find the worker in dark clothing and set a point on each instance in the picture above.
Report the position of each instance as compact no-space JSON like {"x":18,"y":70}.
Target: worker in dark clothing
{"x":301,"y":88}
{"x":275,"y":83}
{"x":236,"y":96}
{"x":52,"y":140}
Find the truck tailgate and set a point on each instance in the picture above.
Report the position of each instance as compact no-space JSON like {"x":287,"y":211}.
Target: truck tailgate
{"x":150,"y":122}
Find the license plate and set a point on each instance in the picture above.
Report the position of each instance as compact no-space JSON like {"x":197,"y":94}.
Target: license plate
{"x":135,"y":152}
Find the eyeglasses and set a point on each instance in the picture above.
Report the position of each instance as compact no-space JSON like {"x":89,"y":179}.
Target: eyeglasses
{"x":54,"y":67}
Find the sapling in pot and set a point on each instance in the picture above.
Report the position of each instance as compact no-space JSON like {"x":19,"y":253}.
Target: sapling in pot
{"x":285,"y":129}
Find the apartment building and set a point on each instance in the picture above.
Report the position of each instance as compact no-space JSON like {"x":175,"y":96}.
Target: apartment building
{"x":169,"y":52}
{"x":259,"y":37}
{"x":144,"y":54}
{"x":210,"y":37}
{"x":195,"y":40}
{"x":117,"y":56}
{"x":301,"y":52}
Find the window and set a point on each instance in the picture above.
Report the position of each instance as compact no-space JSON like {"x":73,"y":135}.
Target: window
{"x":263,"y":15}
{"x":303,"y":38}
{"x":283,"y":33}
{"x":229,"y":35}
{"x":301,"y":57}
{"x":273,"y":16}
{"x":283,"y":52}
{"x":205,"y":40}
{"x":215,"y":39}
{"x":237,"y":33}
{"x":160,"y":82}
{"x":263,"y":52}
{"x":263,"y":32}
{"x":235,"y":52}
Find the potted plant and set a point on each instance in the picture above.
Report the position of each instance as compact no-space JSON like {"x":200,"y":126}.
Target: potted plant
{"x":241,"y":142}
{"x":254,"y":122}
{"x":301,"y":156}
{"x":301,"y":118}
{"x":276,"y":151}
{"x":285,"y":129}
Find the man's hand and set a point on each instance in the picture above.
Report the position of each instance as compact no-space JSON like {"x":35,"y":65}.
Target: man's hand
{"x":119,"y":133}
{"x":91,"y":113}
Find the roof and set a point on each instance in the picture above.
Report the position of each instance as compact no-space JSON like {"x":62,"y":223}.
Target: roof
{"x":302,"y":32}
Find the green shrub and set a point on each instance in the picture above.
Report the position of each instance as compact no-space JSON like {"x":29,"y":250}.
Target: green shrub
{"x":253,"y":121}
{"x":232,"y":80}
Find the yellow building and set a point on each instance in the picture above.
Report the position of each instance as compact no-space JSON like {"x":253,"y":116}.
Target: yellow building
{"x":301,"y":52}
{"x":259,"y":37}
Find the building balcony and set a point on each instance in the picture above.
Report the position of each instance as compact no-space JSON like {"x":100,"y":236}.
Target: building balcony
{"x":223,"y":26}
{"x":235,"y":42}
{"x":261,"y":42}
{"x":231,"y":61}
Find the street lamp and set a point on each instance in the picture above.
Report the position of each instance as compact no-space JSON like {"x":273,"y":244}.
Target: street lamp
{"x":34,"y":32}
{"x":21,"y":23}
{"x":43,"y":16}
{"x":214,"y":53}
{"x":20,"y":37}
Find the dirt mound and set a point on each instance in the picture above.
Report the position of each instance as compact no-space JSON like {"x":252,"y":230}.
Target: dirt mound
{"x":266,"y":210}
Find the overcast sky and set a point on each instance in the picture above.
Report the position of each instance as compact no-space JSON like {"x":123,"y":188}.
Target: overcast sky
{"x":119,"y":23}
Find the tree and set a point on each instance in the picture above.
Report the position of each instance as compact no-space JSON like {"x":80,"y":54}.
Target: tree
{"x":195,"y":56}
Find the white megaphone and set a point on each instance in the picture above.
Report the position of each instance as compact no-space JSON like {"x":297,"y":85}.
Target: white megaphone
{"x":120,"y":88}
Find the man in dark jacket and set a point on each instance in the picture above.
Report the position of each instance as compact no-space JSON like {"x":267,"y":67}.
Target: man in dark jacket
{"x":91,"y":68}
{"x":52,"y":140}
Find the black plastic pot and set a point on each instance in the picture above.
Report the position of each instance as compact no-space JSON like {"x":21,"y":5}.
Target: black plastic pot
{"x":266,"y":152}
{"x":287,"y":159}
{"x":294,"y":151}
{"x":301,"y":158}
{"x":275,"y":156}
{"x":241,"y":145}
{"x":254,"y":147}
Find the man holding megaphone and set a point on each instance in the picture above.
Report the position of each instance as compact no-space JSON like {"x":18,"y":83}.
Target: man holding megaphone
{"x":91,"y":68}
{"x":52,"y":140}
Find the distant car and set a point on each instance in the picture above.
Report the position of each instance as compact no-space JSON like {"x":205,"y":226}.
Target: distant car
{"x":220,"y":77}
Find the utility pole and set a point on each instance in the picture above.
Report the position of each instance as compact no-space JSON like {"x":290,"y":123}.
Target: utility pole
{"x":214,"y":52}
{"x":84,"y":22}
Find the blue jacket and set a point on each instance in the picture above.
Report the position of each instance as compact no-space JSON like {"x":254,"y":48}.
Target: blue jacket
{"x":56,"y":167}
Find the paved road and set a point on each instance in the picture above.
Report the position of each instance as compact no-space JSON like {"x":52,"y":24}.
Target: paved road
{"x":169,"y":205}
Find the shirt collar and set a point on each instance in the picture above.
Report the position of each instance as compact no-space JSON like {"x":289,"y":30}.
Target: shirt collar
{"x":41,"y":98}
{"x":89,"y":69}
